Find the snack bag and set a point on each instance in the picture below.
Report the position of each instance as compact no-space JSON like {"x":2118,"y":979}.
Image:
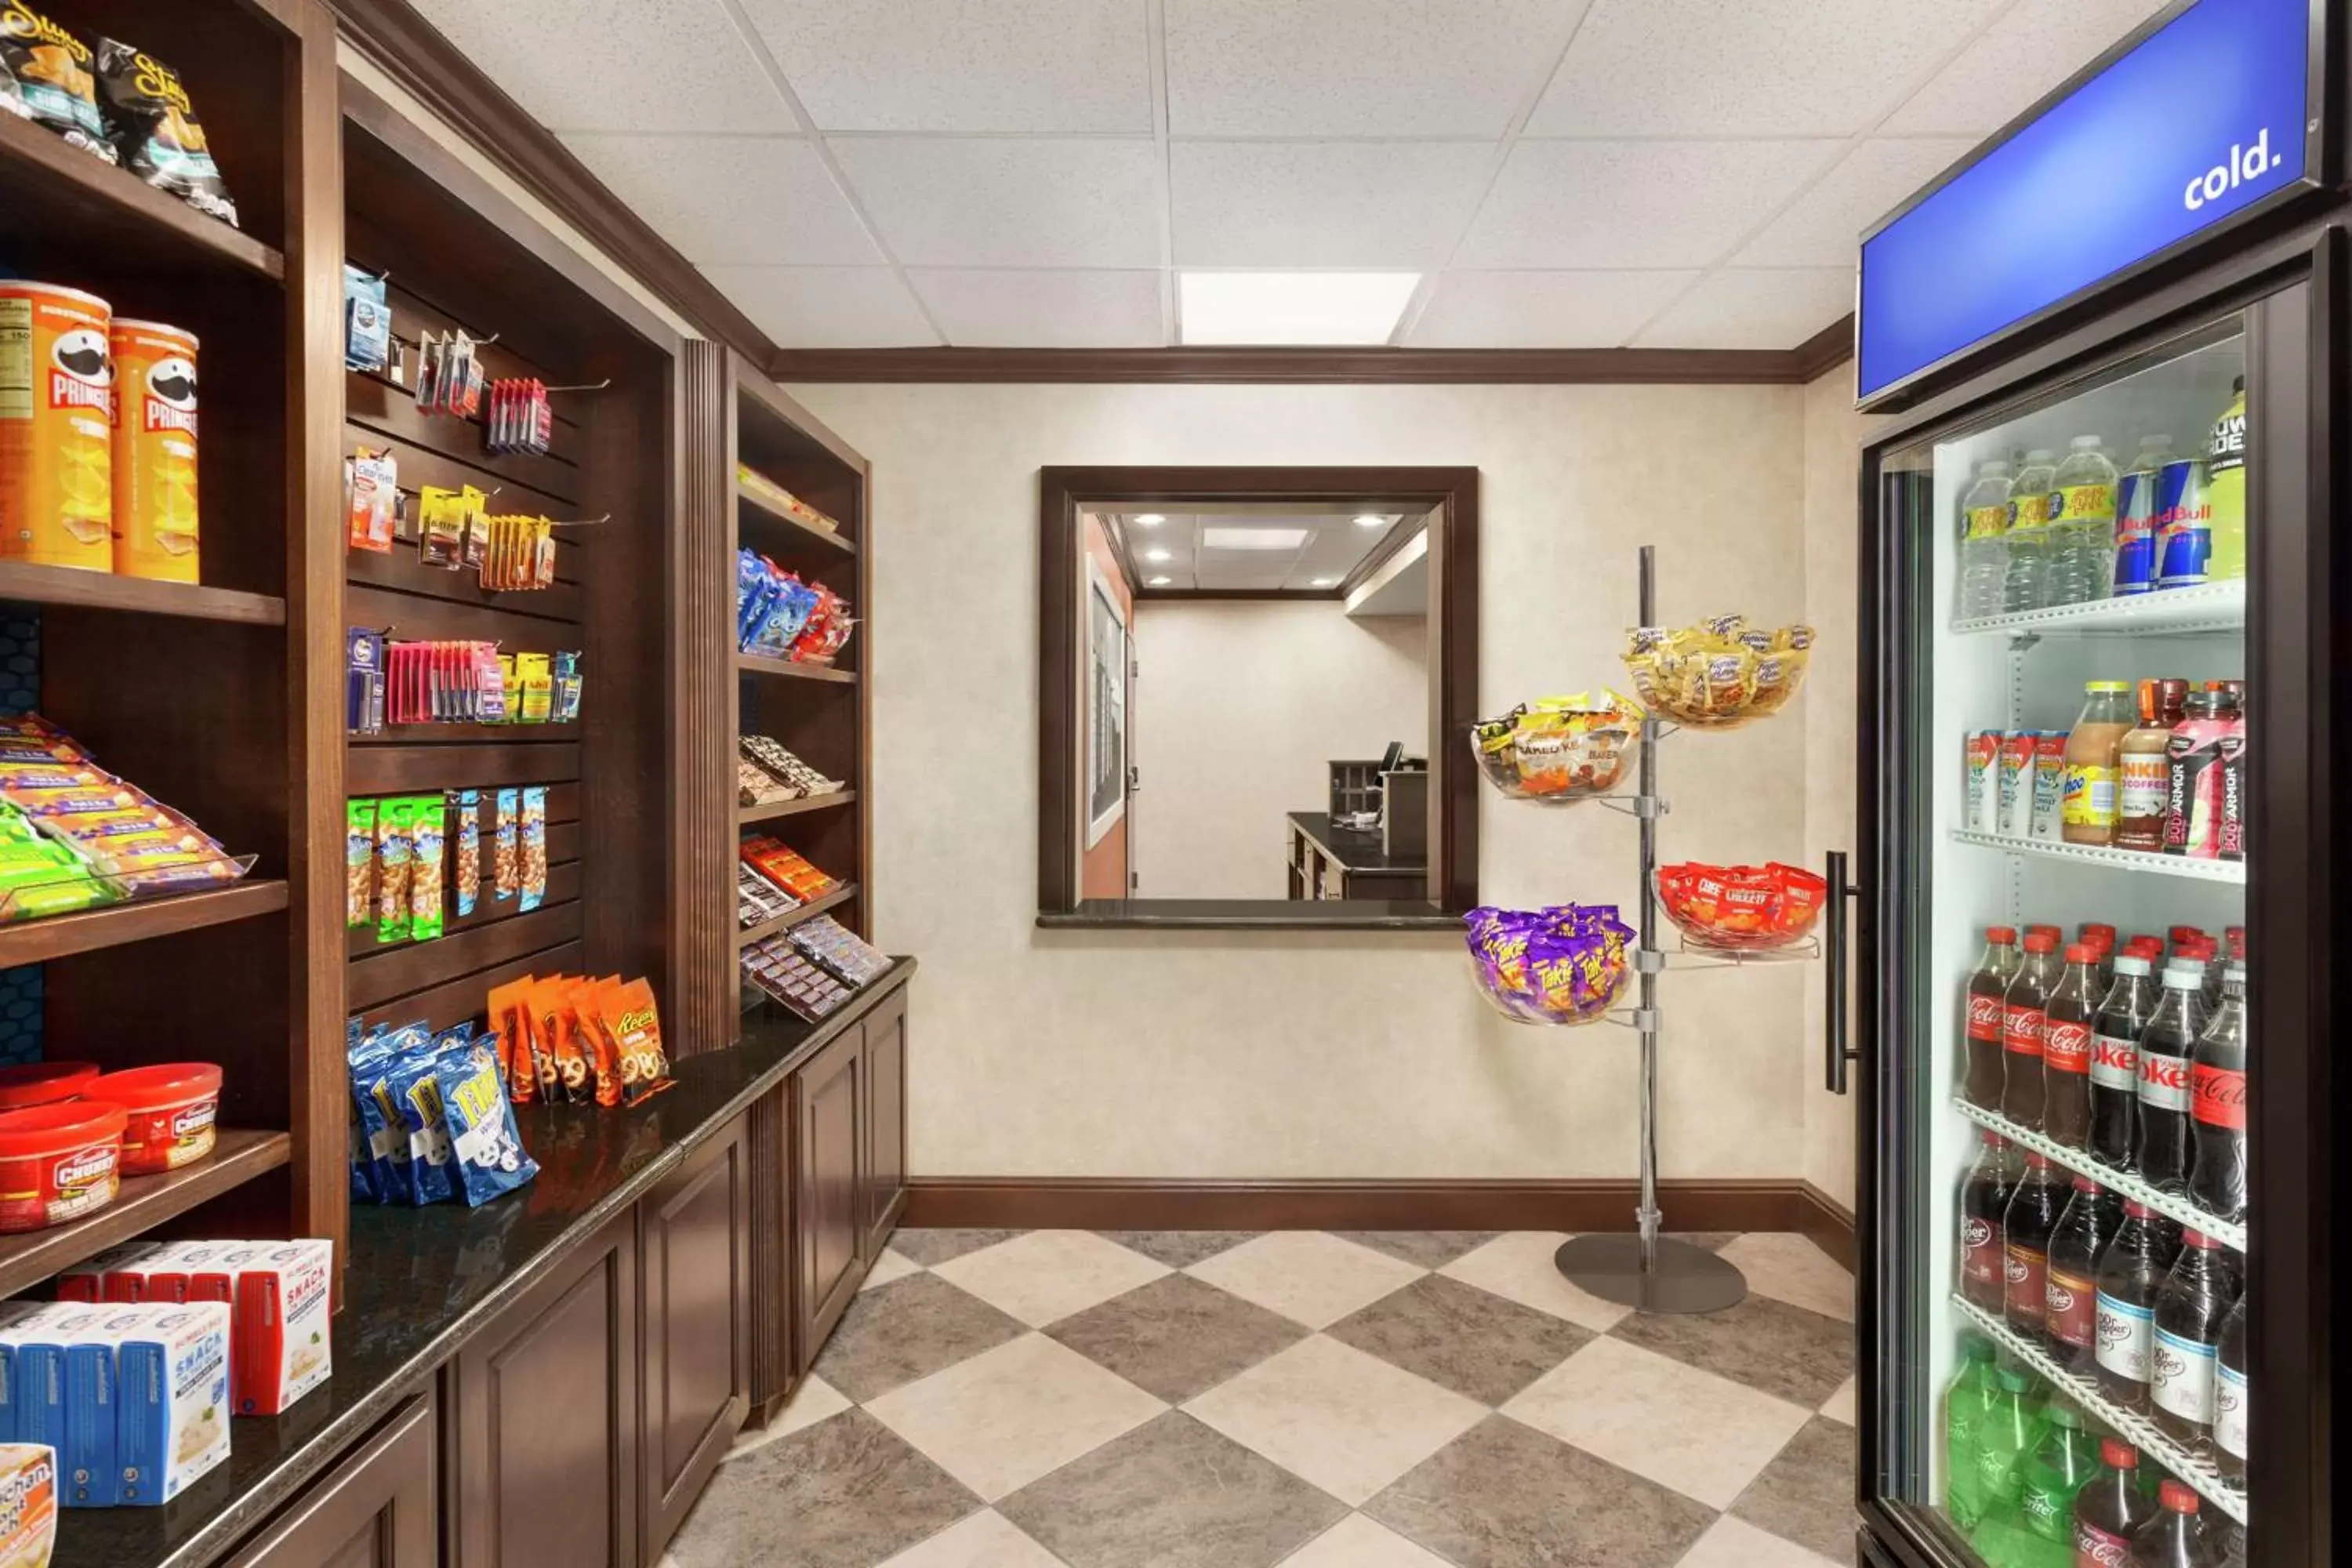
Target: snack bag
{"x":156,"y":130}
{"x":44,"y":75}
{"x":428,"y":865}
{"x":396,"y":823}
{"x":466,"y":804}
{"x":511,"y":1020}
{"x":417,"y":1096}
{"x":632,"y":1023}
{"x":358,"y":853}
{"x":573,"y":1054}
{"x":485,"y":1146}
{"x":534,"y":847}
{"x":386,"y":1133}
{"x":506,"y":847}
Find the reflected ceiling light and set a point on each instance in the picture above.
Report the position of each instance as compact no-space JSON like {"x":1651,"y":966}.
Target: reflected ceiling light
{"x":1158,"y":581}
{"x":1324,"y":582}
{"x":1293,"y":307}
{"x":1371,"y":520}
{"x":1254,"y":538}
{"x":1150,"y":518}
{"x":1158,"y":556}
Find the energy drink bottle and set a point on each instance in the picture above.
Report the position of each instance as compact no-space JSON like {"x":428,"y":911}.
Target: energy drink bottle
{"x":2026,"y":585}
{"x":2134,"y":565}
{"x":2225,"y":487}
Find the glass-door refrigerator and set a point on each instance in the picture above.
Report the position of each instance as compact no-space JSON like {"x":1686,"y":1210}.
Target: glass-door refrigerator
{"x":2096,"y":952}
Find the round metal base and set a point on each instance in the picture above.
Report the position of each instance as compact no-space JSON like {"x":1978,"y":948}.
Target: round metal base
{"x":1684,"y":1278}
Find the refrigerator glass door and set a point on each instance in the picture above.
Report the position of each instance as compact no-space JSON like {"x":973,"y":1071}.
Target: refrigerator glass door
{"x":2066,"y":554}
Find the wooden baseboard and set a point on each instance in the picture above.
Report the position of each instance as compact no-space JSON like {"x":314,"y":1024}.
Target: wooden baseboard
{"x":1111,"y":1203}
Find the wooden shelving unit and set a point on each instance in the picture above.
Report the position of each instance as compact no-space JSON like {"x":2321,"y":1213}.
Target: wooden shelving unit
{"x":753,"y":664}
{"x":146,"y":1201}
{"x":89,"y":931}
{"x":24,"y":583}
{"x":764,"y":517}
{"x":822,"y":904}
{"x":838,"y":800}
{"x":40,"y":174}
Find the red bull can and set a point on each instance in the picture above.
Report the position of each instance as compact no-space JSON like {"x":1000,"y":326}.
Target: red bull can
{"x":2136,"y":564}
{"x":2184,"y":526}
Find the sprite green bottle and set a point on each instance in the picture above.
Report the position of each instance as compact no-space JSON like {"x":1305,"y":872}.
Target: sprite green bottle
{"x":2006,"y":1436}
{"x":1971,"y":1394}
{"x":2225,"y":488}
{"x":2061,"y":1464}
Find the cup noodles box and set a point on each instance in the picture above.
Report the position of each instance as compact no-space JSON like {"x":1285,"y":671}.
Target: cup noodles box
{"x":171,"y":1404}
{"x":28,"y":1504}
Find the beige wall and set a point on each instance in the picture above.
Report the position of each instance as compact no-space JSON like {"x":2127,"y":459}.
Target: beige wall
{"x":1239,"y":707}
{"x":1323,"y":1054}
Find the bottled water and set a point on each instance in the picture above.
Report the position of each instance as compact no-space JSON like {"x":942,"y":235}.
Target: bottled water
{"x":2082,"y":525}
{"x":2026,"y":585}
{"x":1984,"y":550}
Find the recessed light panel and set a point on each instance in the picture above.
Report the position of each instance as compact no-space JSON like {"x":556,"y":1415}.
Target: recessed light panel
{"x":1293,"y":307}
{"x":1252,"y":537}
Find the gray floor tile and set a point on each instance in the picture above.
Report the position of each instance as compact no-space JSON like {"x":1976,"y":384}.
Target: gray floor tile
{"x":934,"y":1246}
{"x":1506,"y":1496}
{"x":1171,"y":1494}
{"x":1462,"y":1338}
{"x":908,"y":1328}
{"x":1179,"y":1248}
{"x":1177,"y":1337}
{"x":1780,"y":1348}
{"x":1709,"y":1239}
{"x":1429,"y":1249}
{"x":844,"y":1493}
{"x":1806,"y":1495}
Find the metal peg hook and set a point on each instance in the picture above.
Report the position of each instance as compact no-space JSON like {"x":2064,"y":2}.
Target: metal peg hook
{"x":584,"y":386}
{"x":581,"y":521}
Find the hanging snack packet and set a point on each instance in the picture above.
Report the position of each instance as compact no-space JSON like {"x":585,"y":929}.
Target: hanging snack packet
{"x":632,"y":1025}
{"x":358,"y":853}
{"x":506,"y":847}
{"x":466,"y":807}
{"x":428,"y":865}
{"x":486,"y":1148}
{"x":156,"y":132}
{"x":394,"y":822}
{"x":44,"y":75}
{"x":534,"y":847}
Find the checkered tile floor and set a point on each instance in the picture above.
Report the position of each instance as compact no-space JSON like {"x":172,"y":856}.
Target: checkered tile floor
{"x":1082,"y":1399}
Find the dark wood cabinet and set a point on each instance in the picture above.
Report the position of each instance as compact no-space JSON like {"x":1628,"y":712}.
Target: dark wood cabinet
{"x":695,"y":1240}
{"x":542,"y":1437}
{"x":883,"y":1188}
{"x":374,"y":1510}
{"x":829,"y":1232}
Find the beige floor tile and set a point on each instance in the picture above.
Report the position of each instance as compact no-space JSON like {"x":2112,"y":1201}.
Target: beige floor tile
{"x":1785,"y":1265}
{"x":1517,"y":1266}
{"x":888,"y":1266}
{"x":1733,"y":1544}
{"x":1702,"y":1435}
{"x":1347,"y":1422}
{"x":1046,"y":1275}
{"x":986,"y":1540}
{"x":1357,"y":1542}
{"x":811,"y":1402}
{"x":1839,"y":1406}
{"x":1306,"y":1274}
{"x":1009,"y":1415}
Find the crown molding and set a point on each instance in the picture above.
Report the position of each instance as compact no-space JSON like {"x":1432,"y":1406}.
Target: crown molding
{"x":1617,"y":367}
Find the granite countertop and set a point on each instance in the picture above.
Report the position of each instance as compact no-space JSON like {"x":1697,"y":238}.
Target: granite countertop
{"x":420,"y":1281}
{"x":1357,"y":850}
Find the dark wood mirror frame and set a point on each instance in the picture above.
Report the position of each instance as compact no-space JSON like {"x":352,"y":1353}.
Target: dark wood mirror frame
{"x":1449,"y":495}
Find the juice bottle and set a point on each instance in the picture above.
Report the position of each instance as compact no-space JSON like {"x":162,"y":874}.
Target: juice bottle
{"x":2144,"y":773}
{"x":2225,"y":487}
{"x":2093,"y":763}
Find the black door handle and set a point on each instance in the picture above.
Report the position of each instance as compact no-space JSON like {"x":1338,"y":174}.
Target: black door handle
{"x":1840,"y":1053}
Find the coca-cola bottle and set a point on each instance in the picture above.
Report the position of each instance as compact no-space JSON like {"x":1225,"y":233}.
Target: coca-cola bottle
{"x":2189,"y":1314}
{"x":2112,"y":1510}
{"x":2115,"y":1062}
{"x":2207,"y":952}
{"x":2023,"y":1015}
{"x":2165,"y":1149}
{"x":2180,"y":937}
{"x":2132,"y":1272}
{"x":2026,"y":1228}
{"x":2173,"y":1538}
{"x":2072,"y":1293}
{"x":2217,"y":1105}
{"x":1984,"y":1203}
{"x":1987,"y":987}
{"x":2230,"y":1395}
{"x":2066,"y":1049}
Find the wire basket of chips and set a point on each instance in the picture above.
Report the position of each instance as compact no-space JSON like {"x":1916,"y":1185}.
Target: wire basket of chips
{"x":1742,"y":909}
{"x":1564,"y":965}
{"x":1560,"y":750}
{"x":1718,"y":674}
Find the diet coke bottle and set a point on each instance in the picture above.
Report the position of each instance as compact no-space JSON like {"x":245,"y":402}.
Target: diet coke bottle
{"x":2165,"y":1149}
{"x":2024,"y":1014}
{"x":2115,"y":1062}
{"x":2026,"y":1228}
{"x":2188,"y":1340}
{"x":2084,"y":1232}
{"x":1984,"y":1200}
{"x":2066,"y":1036}
{"x":1986,"y":989}
{"x":2131,"y":1275}
{"x":2217,"y":1105}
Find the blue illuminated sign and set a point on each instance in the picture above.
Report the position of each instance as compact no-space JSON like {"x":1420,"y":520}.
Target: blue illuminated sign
{"x":2201,"y":119}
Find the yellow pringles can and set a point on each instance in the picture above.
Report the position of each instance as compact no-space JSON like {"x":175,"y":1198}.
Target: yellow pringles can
{"x":154,"y":451}
{"x":57,"y":427}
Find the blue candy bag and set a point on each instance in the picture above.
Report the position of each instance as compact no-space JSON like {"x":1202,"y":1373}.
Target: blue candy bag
{"x":380,"y":1118}
{"x":416,"y":1118}
{"x":485,"y":1146}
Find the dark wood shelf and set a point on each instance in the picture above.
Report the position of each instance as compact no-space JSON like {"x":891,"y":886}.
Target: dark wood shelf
{"x":40,"y":173}
{"x":791,"y":917}
{"x":752,"y":664}
{"x":746,"y":814}
{"x":768,"y":514}
{"x":56,"y":936}
{"x":24,"y":583}
{"x":146,"y":1201}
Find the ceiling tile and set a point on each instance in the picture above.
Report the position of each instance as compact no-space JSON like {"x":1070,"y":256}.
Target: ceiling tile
{"x":1044,"y":309}
{"x":618,"y":65}
{"x":1759,"y":67}
{"x":964,"y":64}
{"x":1326,"y":68}
{"x":1010,"y":203}
{"x":1321,"y":204}
{"x":826,"y":307}
{"x":1542,"y":310}
{"x":1633,"y":204}
{"x":764,"y":199}
{"x":2019,"y":58}
{"x":1823,"y":226}
{"x":1776,"y":308}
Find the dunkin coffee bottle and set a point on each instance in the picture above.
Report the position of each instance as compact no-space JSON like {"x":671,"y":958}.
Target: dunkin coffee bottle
{"x":2131,"y":1274}
{"x":2144,"y":772}
{"x":2084,"y":1231}
{"x":1987,"y":987}
{"x":2217,"y":1105}
{"x":2189,"y":1314}
{"x":1984,"y":1203}
{"x":2230,"y":1395}
{"x":2024,"y":1014}
{"x":2115,"y":1062}
{"x":2165,"y":1149}
{"x":2067,"y":1035}
{"x":2027,"y":1226}
{"x":2110,"y":1510}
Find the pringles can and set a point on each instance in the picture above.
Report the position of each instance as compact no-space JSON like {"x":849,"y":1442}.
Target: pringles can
{"x":57,"y":427}
{"x":2184,"y":525}
{"x":154,"y":451}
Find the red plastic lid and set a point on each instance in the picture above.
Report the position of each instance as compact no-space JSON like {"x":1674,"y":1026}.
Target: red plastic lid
{"x":2096,"y":928}
{"x":2134,"y":1208}
{"x":2196,"y":1238}
{"x":2041,"y":930}
{"x":2176,"y":1496}
{"x":2118,"y":1454}
{"x":2000,"y":933}
{"x":2084,"y":1185}
{"x":2182,"y":933}
{"x":149,"y":1089}
{"x":43,"y":1083}
{"x":2040,"y":942}
{"x":59,"y":1128}
{"x":2081,"y":952}
{"x":2039,"y":1161}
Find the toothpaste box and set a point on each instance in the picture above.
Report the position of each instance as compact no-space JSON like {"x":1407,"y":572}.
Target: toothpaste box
{"x":89,"y":1474}
{"x":284,"y":1348}
{"x":28,"y":1504}
{"x":18,"y":1321}
{"x":172,"y":1401}
{"x":87,"y":1281}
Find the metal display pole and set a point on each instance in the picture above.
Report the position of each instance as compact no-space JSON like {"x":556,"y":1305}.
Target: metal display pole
{"x":1643,"y":1269}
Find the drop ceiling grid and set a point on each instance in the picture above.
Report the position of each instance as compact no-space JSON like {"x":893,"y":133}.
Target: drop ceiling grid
{"x":1028,"y":172}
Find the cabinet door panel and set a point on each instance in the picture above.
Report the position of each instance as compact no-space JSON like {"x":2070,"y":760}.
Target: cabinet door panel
{"x":373,"y":1510}
{"x":696,"y":1227}
{"x":829,"y":1137}
{"x":886,"y":1120}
